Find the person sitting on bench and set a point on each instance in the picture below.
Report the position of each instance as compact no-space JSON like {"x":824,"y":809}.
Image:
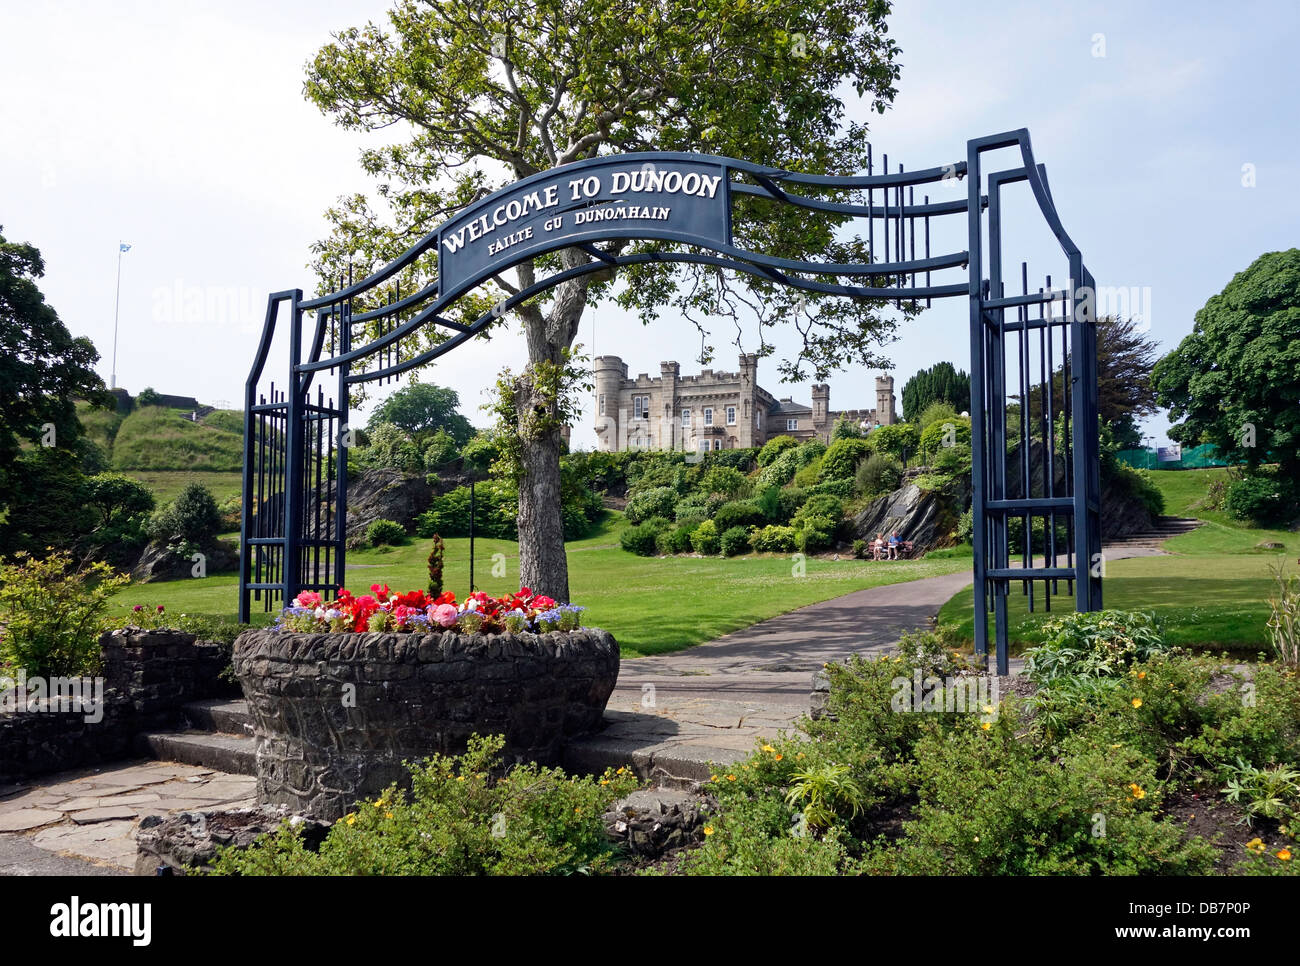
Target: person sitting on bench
{"x":895,"y":545}
{"x":878,"y":547}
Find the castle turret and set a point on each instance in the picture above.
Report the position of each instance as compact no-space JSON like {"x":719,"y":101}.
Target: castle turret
{"x":821,"y":411}
{"x":748,"y":432}
{"x":885,"y":408}
{"x":610,"y":372}
{"x":669,"y":433}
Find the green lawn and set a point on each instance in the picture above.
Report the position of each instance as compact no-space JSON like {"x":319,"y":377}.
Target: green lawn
{"x":167,"y":484}
{"x":1210,"y":593}
{"x":650,"y":605}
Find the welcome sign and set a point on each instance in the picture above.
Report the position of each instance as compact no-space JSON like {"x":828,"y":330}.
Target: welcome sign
{"x":671,"y":199}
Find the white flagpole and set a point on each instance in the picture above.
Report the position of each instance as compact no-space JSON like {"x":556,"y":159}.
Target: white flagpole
{"x":117,"y":299}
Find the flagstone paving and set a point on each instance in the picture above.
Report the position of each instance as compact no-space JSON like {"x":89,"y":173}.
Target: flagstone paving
{"x":88,"y":818}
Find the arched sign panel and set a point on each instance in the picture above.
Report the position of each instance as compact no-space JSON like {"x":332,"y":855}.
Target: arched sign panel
{"x":1037,"y":345}
{"x":673,"y":199}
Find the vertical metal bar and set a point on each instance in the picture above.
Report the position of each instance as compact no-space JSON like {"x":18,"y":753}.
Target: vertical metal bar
{"x":294,"y":455}
{"x":979,"y":439}
{"x":344,"y":441}
{"x":998,"y":397}
{"x":1026,"y":464}
{"x":928,"y":300}
{"x":871,"y":217}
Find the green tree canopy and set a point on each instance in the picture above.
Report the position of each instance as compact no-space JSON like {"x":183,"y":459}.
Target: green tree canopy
{"x":490,"y":92}
{"x":1235,"y":381}
{"x":421,"y":409}
{"x":942,"y":382}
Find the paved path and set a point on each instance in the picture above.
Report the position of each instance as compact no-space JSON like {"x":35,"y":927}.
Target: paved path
{"x":671,"y":715}
{"x":83,"y":822}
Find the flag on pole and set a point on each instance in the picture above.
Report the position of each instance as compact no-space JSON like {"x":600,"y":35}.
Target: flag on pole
{"x":123,"y":247}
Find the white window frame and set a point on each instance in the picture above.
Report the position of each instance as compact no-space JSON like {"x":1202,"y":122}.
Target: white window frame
{"x":602,"y":404}
{"x":708,"y":416}
{"x":686,"y":418}
{"x":717,"y":444}
{"x":792,"y":423}
{"x":731,"y":415}
{"x":702,"y":446}
{"x":640,"y":407}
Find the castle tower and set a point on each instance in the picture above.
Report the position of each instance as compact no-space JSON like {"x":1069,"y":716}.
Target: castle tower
{"x":610,"y":372}
{"x":669,"y":433}
{"x":747,"y":432}
{"x":821,"y":411}
{"x":885,"y":411}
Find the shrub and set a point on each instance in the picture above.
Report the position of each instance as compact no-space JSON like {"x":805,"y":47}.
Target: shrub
{"x":740,"y":513}
{"x":944,"y":434}
{"x":495,"y":512}
{"x":462,"y":817}
{"x":842,"y":459}
{"x":148,"y":397}
{"x":895,"y":440}
{"x":814,"y":533}
{"x":821,"y":505}
{"x":192,"y":517}
{"x":780,"y":470}
{"x":725,"y":480}
{"x":659,"y":501}
{"x":952,"y":462}
{"x":440,"y":450}
{"x":840,"y":488}
{"x":642,"y":539}
{"x":391,"y":448}
{"x":966,"y":526}
{"x":52,"y":613}
{"x":774,"y":447}
{"x":808,"y":475}
{"x":1284,"y":618}
{"x":860,"y":549}
{"x":695,"y":509}
{"x":773,"y":539}
{"x":1102,"y":643}
{"x":1260,"y":498}
{"x":676,"y":540}
{"x":705,"y":538}
{"x":385,"y":533}
{"x":880,"y":473}
{"x":733,"y":541}
{"x":939,"y":411}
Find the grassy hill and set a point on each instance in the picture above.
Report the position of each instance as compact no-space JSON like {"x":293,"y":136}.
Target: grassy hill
{"x":154,"y":438}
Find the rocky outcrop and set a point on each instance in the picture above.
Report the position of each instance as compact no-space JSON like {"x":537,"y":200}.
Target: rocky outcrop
{"x":928,"y":518}
{"x":160,"y":561}
{"x":188,"y":841}
{"x":386,"y":494}
{"x":652,"y":821}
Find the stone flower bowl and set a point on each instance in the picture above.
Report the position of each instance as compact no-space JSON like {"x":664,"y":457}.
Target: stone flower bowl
{"x":335,"y":715}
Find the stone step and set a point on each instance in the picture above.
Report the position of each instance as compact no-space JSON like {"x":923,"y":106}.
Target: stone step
{"x":223,"y":752}
{"x":219,"y":714}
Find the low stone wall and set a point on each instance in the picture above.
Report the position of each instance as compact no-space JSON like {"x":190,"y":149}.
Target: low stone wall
{"x":145,"y":679}
{"x":336,"y":714}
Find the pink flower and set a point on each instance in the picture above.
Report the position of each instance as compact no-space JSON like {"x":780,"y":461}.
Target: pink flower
{"x":307,"y":598}
{"x":444,"y":615}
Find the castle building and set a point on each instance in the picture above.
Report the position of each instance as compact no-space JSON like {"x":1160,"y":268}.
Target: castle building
{"x":714,"y":410}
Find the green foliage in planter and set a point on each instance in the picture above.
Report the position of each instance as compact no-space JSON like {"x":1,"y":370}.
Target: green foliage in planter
{"x":52,"y":613}
{"x":734,"y":541}
{"x":385,"y":533}
{"x":462,"y":817}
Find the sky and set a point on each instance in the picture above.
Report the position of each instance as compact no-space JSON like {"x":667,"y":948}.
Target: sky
{"x":1169,"y":131}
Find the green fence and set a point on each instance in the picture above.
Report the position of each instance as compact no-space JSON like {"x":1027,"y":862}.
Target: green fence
{"x":1196,"y":458}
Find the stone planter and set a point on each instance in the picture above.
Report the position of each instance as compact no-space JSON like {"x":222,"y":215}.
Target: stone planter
{"x":336,"y":714}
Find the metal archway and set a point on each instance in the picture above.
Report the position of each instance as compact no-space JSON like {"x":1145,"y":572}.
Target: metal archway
{"x":1044,"y":472}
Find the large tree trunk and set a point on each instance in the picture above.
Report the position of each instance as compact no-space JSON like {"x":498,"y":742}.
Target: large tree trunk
{"x":543,"y":565}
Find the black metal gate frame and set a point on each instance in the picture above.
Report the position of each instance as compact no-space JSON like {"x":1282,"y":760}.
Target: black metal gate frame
{"x":293,"y":534}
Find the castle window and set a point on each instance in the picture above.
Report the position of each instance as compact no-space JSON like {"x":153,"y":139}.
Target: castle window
{"x":708,"y":417}
{"x":640,"y":407}
{"x":731,"y":415}
{"x":702,"y":446}
{"x":602,"y":404}
{"x":792,"y":424}
{"x":717,"y":444}
{"x":686,"y":418}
